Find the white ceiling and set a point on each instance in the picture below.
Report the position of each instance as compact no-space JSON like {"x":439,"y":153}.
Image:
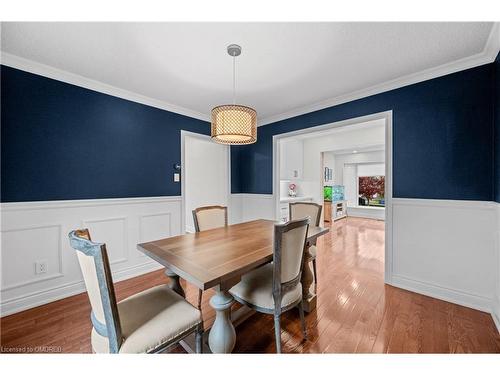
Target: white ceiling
{"x":284,"y":67}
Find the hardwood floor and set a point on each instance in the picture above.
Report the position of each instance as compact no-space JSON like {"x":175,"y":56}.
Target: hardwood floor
{"x":356,"y":311}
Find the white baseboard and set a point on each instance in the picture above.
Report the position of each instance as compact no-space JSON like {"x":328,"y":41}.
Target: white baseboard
{"x":366,"y":212}
{"x":496,"y":316}
{"x":43,"y":297}
{"x":449,"y":250}
{"x":454,"y":296}
{"x":496,"y":310}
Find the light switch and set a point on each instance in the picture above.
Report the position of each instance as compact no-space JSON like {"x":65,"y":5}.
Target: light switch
{"x":177,"y":177}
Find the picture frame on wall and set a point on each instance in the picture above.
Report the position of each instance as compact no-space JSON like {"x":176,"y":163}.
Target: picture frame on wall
{"x":328,"y":174}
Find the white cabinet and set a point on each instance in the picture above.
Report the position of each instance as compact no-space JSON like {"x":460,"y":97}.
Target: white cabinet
{"x":283,"y":212}
{"x":291,"y":159}
{"x":339,"y":210}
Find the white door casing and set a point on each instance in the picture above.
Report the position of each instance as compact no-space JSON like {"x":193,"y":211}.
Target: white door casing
{"x":387,"y":117}
{"x":205,"y":174}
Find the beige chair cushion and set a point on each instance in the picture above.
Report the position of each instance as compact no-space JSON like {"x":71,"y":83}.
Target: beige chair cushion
{"x":149,"y":319}
{"x":292,"y":249}
{"x":211,"y":218}
{"x":256,"y":288}
{"x":312,"y":251}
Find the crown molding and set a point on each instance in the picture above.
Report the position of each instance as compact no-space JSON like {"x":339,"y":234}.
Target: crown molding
{"x":34,"y":67}
{"x":492,"y":47}
{"x":488,"y":55}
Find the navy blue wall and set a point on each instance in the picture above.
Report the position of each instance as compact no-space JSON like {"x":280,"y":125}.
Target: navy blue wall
{"x":496,"y":181}
{"x":61,"y":141}
{"x":442,"y":138}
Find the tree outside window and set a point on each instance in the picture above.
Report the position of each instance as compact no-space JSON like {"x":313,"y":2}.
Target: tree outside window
{"x":371,"y":191}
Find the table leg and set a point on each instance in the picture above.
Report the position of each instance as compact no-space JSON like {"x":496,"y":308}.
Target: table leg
{"x":222,"y":335}
{"x":308,"y":295}
{"x":238,"y":317}
{"x":175,"y":284}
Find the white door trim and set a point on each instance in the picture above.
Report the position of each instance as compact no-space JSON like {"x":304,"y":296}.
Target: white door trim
{"x":387,"y":116}
{"x":184,"y":134}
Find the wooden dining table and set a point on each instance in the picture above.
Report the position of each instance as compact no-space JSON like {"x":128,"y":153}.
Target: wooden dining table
{"x":217,"y":259}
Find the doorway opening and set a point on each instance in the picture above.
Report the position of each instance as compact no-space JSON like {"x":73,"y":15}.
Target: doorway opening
{"x":205,"y":175}
{"x":345,"y":166}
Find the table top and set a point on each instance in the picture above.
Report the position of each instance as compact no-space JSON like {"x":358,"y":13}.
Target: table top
{"x":214,"y":257}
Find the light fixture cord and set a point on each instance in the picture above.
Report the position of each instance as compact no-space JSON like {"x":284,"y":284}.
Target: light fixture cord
{"x":234,"y":79}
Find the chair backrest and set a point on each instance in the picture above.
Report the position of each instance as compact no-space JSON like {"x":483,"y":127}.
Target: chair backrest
{"x":209,"y":217}
{"x":300,"y":210}
{"x":289,"y":245}
{"x":94,"y":263}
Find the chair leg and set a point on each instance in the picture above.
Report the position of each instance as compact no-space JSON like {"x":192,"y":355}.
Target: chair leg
{"x":200,"y":295}
{"x":314,"y":271}
{"x":199,"y":339}
{"x":277,"y":333}
{"x":302,"y":319}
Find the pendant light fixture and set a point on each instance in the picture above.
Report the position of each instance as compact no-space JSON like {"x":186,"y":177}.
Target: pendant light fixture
{"x":234,"y":124}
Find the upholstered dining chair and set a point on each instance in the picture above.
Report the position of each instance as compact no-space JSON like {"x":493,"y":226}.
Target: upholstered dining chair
{"x":205,"y":218}
{"x":303,"y":209}
{"x":209,"y":217}
{"x":275,"y":287}
{"x":147,"y":322}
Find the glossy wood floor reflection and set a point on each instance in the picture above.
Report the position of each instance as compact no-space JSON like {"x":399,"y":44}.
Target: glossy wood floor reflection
{"x":356,"y":312}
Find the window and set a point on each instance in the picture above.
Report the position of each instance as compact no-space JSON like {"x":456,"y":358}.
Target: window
{"x":371,"y":185}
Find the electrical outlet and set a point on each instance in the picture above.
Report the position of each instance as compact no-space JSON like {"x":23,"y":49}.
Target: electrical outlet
{"x":40,"y":267}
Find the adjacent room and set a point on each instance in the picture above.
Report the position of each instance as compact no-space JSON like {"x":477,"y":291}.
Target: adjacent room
{"x":246,"y":187}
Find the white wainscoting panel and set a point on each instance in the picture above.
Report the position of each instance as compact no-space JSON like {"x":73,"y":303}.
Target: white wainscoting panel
{"x":153,"y":227}
{"x":366,"y":212}
{"x":249,"y":207}
{"x":38,"y":231}
{"x":496,"y":309}
{"x":47,"y":249}
{"x":235,"y":209}
{"x":446,"y":249}
{"x":115,"y":231}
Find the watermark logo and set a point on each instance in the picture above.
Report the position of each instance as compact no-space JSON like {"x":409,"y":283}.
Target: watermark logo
{"x":30,"y":349}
